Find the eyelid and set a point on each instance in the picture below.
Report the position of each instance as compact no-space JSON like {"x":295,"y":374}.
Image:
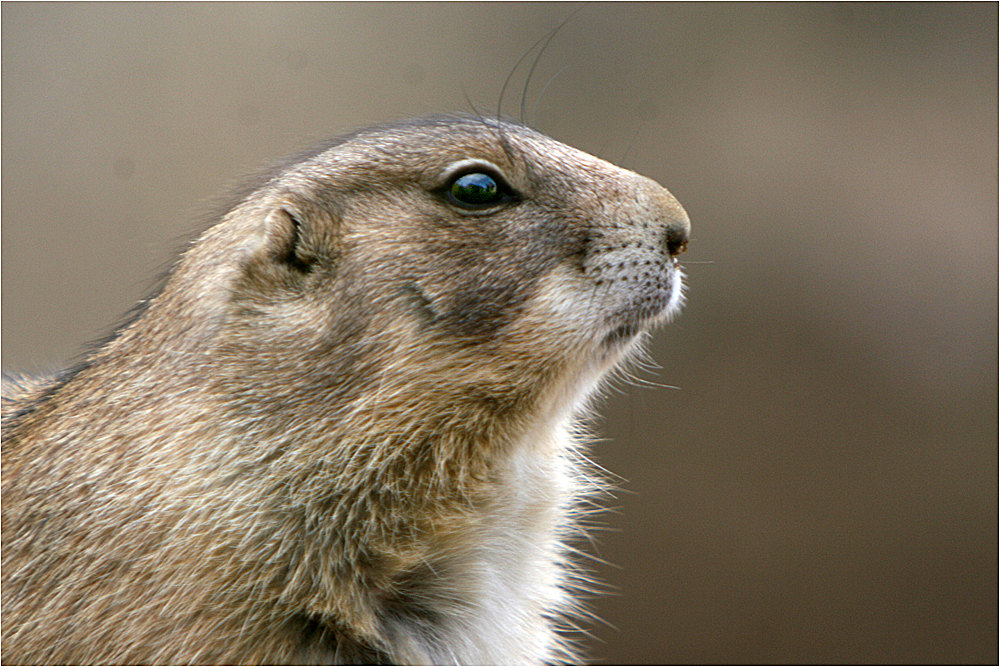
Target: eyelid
{"x":461,"y":168}
{"x":471,"y":165}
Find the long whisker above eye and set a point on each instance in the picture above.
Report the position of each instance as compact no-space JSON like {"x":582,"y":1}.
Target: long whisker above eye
{"x":546,"y":38}
{"x":510,"y":75}
{"x":631,"y":145}
{"x":538,"y":102}
{"x":538,"y":57}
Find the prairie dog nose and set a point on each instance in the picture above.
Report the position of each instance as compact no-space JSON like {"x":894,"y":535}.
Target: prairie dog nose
{"x":669,"y":213}
{"x":676,"y":237}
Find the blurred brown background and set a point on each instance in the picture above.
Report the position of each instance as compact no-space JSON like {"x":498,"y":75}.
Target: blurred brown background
{"x":822,"y":487}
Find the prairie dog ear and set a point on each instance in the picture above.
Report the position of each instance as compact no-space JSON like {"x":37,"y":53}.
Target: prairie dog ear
{"x":288,"y":239}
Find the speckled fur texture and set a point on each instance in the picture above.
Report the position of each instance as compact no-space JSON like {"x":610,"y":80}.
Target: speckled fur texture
{"x":347,"y":428}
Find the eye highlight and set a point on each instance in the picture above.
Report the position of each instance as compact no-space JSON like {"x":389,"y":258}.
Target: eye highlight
{"x":475,"y":189}
{"x":474,"y":185}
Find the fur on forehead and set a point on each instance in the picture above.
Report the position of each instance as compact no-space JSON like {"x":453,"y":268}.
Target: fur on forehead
{"x":422,"y":147}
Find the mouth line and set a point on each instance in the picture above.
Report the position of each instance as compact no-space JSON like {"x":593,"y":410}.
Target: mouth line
{"x":626,"y":324}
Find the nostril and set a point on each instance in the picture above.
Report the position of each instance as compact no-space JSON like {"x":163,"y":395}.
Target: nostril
{"x":676,"y":240}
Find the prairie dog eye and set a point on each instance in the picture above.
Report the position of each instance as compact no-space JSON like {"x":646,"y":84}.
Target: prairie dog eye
{"x":477,"y":187}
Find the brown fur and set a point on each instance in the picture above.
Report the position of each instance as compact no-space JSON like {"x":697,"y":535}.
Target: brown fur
{"x":298,"y":450}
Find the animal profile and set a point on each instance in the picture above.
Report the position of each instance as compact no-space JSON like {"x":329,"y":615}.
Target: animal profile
{"x":348,"y":428}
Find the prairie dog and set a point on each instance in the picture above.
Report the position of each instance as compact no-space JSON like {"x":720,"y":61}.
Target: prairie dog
{"x":345,"y":430}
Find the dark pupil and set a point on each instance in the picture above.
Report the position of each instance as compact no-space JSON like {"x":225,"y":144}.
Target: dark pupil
{"x":475,"y":189}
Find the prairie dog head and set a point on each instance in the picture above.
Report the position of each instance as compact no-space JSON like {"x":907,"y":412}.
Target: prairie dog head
{"x":343,"y":427}
{"x":435,"y":266}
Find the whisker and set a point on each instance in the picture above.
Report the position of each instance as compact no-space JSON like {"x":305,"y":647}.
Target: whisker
{"x":538,"y":102}
{"x":538,"y":57}
{"x":506,"y":82}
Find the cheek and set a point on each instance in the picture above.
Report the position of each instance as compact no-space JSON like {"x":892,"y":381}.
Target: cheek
{"x":563,"y":307}
{"x":476,"y":299}
{"x":461,"y":277}
{"x":476,"y":290}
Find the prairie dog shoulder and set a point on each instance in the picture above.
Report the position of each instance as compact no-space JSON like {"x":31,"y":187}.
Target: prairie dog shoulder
{"x":343,"y":432}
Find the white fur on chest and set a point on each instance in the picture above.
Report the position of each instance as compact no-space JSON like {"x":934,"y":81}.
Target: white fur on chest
{"x":498,"y":585}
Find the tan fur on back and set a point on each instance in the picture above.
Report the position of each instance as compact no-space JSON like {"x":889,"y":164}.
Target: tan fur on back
{"x":346,"y":429}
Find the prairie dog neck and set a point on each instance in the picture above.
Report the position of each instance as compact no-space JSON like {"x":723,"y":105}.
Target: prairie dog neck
{"x":344,"y":430}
